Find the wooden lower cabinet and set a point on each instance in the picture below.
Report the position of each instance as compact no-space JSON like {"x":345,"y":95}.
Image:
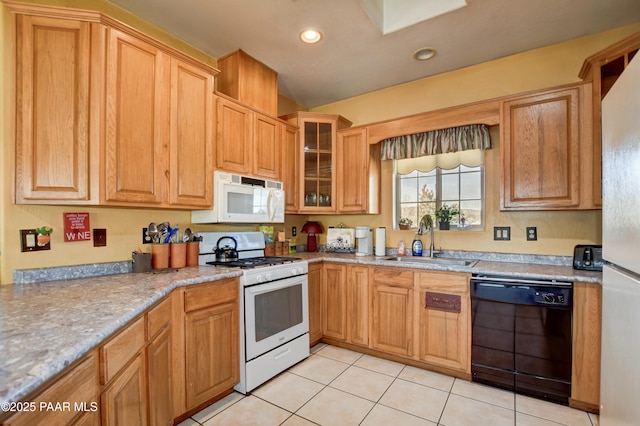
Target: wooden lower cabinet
{"x":79,"y":387}
{"x":124,"y":402}
{"x":358,"y":305}
{"x":392,"y":311}
{"x":208,"y":347}
{"x":334,"y":301}
{"x":160,"y":379}
{"x":587,"y":331}
{"x":444,"y":336}
{"x":315,"y":303}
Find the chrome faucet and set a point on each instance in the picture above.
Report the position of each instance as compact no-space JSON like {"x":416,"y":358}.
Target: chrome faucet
{"x":426,"y":224}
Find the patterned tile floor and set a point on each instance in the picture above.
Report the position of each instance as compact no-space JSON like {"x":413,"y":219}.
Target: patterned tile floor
{"x":336,"y":386}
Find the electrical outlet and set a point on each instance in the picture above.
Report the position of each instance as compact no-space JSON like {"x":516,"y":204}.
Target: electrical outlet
{"x":501,"y":233}
{"x":532,"y":233}
{"x":146,"y":239}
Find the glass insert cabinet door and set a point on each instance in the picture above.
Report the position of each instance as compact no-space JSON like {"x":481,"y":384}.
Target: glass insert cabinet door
{"x":318,"y":164}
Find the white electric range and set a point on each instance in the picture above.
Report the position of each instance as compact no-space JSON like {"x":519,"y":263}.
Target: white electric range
{"x":274,"y":305}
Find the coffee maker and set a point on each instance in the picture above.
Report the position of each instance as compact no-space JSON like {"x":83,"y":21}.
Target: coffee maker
{"x":364,"y":241}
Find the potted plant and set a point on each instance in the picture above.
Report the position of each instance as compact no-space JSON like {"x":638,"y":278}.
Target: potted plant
{"x":405,"y":223}
{"x":445,"y":214}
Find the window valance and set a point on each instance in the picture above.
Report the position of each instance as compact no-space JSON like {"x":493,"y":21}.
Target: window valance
{"x":453,"y":139}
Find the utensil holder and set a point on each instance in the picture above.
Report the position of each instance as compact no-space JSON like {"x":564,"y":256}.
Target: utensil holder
{"x":193,"y":251}
{"x":160,"y":256}
{"x":178,"y":258}
{"x":141,"y":262}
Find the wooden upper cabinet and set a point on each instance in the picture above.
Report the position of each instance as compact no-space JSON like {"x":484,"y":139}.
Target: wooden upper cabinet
{"x":53,"y":144}
{"x":290,"y":168}
{"x":107,"y":115}
{"x":191,"y":138}
{"x":317,"y":160}
{"x":248,"y":80}
{"x":546,"y":150}
{"x":358,"y":172}
{"x":248,"y":142}
{"x":603,"y":69}
{"x":234,"y":134}
{"x":136,"y":125}
{"x":266,"y":146}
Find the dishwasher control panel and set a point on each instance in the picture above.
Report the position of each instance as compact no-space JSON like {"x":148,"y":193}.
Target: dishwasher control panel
{"x":549,"y":298}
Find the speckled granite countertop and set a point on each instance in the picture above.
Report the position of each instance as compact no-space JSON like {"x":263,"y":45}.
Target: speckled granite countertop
{"x":518,"y":266}
{"x":46,"y":326}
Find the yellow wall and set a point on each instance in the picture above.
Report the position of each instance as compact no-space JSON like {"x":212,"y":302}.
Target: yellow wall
{"x":557,"y":231}
{"x":555,"y":65}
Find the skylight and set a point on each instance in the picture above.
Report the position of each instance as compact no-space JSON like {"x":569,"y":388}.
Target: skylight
{"x":394,"y":15}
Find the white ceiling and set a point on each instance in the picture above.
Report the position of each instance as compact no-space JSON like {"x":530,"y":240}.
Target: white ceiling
{"x":354,"y":56}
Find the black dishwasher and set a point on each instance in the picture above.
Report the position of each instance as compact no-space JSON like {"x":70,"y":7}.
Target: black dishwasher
{"x":521,"y":335}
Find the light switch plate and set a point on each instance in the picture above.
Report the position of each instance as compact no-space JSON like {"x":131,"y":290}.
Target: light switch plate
{"x":29,"y":241}
{"x":501,"y":233}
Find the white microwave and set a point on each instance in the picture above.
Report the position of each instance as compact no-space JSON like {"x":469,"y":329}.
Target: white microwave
{"x":243,"y":199}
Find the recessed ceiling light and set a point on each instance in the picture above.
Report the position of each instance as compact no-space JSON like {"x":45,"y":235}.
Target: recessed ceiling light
{"x":424,"y":53}
{"x":310,"y":36}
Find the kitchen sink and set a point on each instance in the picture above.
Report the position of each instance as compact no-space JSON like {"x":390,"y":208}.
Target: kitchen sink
{"x":434,"y":260}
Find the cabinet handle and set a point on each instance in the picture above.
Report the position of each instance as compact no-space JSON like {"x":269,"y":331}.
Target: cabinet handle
{"x":442,"y":302}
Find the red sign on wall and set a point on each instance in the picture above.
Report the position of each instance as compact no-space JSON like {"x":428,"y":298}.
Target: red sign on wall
{"x":77,"y":227}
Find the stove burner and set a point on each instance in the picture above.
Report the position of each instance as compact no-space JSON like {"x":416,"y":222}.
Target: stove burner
{"x":253,"y":262}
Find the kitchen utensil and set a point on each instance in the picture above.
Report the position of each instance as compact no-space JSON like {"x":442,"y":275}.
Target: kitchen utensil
{"x":163,"y":231}
{"x":152,"y":232}
{"x":227,"y":253}
{"x":187,"y":237}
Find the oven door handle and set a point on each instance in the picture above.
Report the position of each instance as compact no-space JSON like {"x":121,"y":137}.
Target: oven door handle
{"x":265,"y":288}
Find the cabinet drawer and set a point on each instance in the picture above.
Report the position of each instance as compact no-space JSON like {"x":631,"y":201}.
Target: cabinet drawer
{"x":445,"y":282}
{"x":211,"y":294}
{"x":119,"y":350}
{"x":78,"y":386}
{"x":394,"y":277}
{"x":159,"y":317}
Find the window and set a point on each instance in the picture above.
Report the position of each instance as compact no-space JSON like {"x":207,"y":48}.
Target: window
{"x":419,"y":192}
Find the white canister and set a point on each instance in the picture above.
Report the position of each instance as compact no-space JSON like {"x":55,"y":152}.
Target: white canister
{"x":381,"y":240}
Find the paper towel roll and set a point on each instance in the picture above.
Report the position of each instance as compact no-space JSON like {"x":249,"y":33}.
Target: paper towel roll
{"x":381,"y":237}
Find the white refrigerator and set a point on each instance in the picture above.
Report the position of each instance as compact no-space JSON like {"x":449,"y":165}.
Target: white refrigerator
{"x":620,"y":372}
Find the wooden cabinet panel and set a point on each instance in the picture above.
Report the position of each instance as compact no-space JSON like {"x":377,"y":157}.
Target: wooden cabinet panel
{"x":52,"y":111}
{"x":357,"y":172}
{"x":78,"y":387}
{"x":88,"y":419}
{"x":392,"y":319}
{"x":334,"y":301}
{"x":119,"y":350}
{"x":158,"y":318}
{"x":445,"y":335}
{"x":136,"y":123}
{"x":315,"y":303}
{"x":392,"y":310}
{"x":124,"y":402}
{"x":358,"y":305}
{"x":266,"y":152}
{"x":191,"y":139}
{"x":234,"y":136}
{"x":545,"y":145}
{"x":290,"y":168}
{"x":202,"y":296}
{"x":160,"y":379}
{"x":587,"y":332}
{"x":212,"y":352}
{"x":250,"y":81}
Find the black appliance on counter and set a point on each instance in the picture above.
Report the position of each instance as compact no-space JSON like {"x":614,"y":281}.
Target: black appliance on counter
{"x":521,"y":336}
{"x":588,"y":257}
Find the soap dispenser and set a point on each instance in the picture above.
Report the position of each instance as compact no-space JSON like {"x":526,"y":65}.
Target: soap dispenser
{"x":416,"y":246}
